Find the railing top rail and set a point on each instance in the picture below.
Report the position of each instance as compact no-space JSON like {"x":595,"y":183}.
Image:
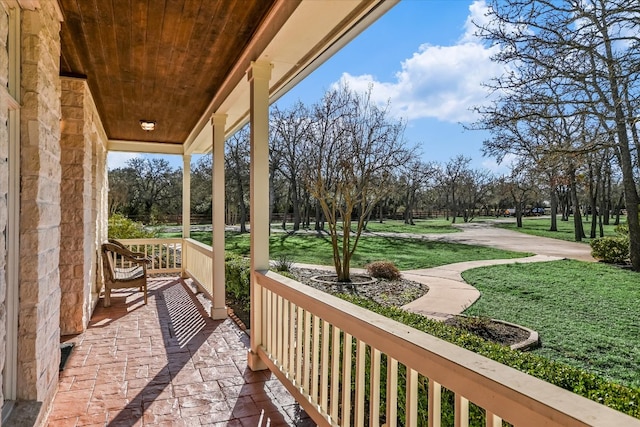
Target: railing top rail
{"x":199,"y":246}
{"x":505,"y":391}
{"x":151,"y":240}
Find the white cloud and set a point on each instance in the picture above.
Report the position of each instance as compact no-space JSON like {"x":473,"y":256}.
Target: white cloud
{"x":118,"y":159}
{"x":502,"y":168}
{"x":442,"y":82}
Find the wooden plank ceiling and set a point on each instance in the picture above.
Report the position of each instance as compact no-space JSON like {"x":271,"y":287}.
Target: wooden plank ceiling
{"x":160,"y":60}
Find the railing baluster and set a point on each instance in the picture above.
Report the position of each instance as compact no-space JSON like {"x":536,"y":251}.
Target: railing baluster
{"x":360,"y":374}
{"x":461,"y":417}
{"x":412,"y":397}
{"x":266,"y":330}
{"x":334,"y":399}
{"x":392,"y":392}
{"x":493,"y":420}
{"x":284,"y":322}
{"x":324,"y":367}
{"x":374,"y":389}
{"x":307,"y":352}
{"x":269,"y":324}
{"x":300,"y":339}
{"x":435,"y":404}
{"x":291,"y":343}
{"x":346,"y":380}
{"x":315,"y":357}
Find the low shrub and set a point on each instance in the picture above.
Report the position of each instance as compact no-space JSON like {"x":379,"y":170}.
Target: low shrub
{"x":121,"y":227}
{"x":237,"y":273}
{"x":614,"y":250}
{"x":383,"y":270}
{"x":283,"y":264}
{"x":616,"y":396}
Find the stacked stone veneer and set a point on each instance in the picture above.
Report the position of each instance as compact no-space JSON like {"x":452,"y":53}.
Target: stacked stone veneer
{"x":4,"y":187}
{"x":83,"y":188}
{"x":39,"y":287}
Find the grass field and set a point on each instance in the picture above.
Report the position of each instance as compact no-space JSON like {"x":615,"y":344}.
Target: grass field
{"x":421,"y":226}
{"x":405,"y":253}
{"x":586,"y":313}
{"x":540,"y":227}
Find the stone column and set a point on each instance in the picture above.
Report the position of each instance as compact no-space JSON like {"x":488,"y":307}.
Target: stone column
{"x":4,"y":197}
{"x":259,"y":75}
{"x":82,"y":138}
{"x":39,"y":286}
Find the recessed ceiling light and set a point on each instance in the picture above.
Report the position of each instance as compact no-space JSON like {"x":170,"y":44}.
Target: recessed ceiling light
{"x":147,"y":125}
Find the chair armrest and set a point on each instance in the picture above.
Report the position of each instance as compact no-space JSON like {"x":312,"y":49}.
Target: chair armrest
{"x":126,"y":254}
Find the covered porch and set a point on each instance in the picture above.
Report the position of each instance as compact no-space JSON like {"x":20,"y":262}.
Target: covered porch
{"x":328,"y":362}
{"x":82,"y":78}
{"x":166,"y":363}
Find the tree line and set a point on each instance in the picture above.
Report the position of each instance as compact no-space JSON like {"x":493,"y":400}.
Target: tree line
{"x":150,"y":190}
{"x":567,"y":104}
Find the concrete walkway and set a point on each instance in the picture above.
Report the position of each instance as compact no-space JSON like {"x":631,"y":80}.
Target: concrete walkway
{"x":449,"y":294}
{"x":486,"y":234}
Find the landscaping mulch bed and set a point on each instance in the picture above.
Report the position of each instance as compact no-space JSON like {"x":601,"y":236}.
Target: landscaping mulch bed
{"x":392,"y":293}
{"x":490,"y":330}
{"x":388,"y":293}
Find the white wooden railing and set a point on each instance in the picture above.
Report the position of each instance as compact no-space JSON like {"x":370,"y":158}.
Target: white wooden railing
{"x":165,"y":254}
{"x":176,"y":255}
{"x":348,"y":366}
{"x":197,"y":261}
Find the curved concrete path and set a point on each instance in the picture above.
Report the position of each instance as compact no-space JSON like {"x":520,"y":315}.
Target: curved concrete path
{"x":485,"y":234}
{"x":449,"y":294}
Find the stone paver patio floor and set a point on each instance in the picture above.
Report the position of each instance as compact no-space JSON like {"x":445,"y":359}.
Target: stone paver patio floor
{"x":166,"y":363}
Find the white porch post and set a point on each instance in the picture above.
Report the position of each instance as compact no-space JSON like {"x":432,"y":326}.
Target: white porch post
{"x":186,"y":196}
{"x":218,"y":309}
{"x":186,"y":206}
{"x":259,"y":75}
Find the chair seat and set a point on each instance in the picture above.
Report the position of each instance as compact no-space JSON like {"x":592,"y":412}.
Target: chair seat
{"x":127,"y":274}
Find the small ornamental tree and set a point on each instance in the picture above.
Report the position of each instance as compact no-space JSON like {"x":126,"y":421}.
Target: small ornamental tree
{"x":353,"y":148}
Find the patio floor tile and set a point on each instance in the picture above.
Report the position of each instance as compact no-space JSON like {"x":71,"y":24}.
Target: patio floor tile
{"x":166,"y":364}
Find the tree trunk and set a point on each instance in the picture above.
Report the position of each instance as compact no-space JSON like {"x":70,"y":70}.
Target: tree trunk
{"x":577,"y":216}
{"x":554,"y":210}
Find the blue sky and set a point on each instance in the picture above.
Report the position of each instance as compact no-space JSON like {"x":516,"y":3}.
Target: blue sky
{"x":421,"y":56}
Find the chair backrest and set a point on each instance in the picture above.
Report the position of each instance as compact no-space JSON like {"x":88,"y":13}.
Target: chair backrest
{"x":109,"y":251}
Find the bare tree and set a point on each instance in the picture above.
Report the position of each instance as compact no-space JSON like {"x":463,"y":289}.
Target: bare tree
{"x":452,"y":176}
{"x":288,"y":133}
{"x":353,"y":149}
{"x":414,"y":177}
{"x":587,"y":52}
{"x":237,"y":172}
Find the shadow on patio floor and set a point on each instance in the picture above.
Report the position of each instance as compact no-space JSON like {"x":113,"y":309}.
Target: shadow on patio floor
{"x":166,"y":363}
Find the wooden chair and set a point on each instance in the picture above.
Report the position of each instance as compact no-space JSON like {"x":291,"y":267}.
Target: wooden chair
{"x":132,"y":273}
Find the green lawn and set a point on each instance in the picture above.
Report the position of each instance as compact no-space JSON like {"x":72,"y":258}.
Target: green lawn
{"x":406,"y":254}
{"x":540,"y":227}
{"x":586,"y":313}
{"x":421,"y":226}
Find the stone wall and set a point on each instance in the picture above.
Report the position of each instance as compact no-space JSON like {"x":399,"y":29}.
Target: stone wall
{"x":4,"y":187}
{"x":83,"y":147}
{"x":39,"y":311}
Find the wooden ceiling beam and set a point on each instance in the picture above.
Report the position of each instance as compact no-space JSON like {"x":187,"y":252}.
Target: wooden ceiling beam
{"x":145,"y":147}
